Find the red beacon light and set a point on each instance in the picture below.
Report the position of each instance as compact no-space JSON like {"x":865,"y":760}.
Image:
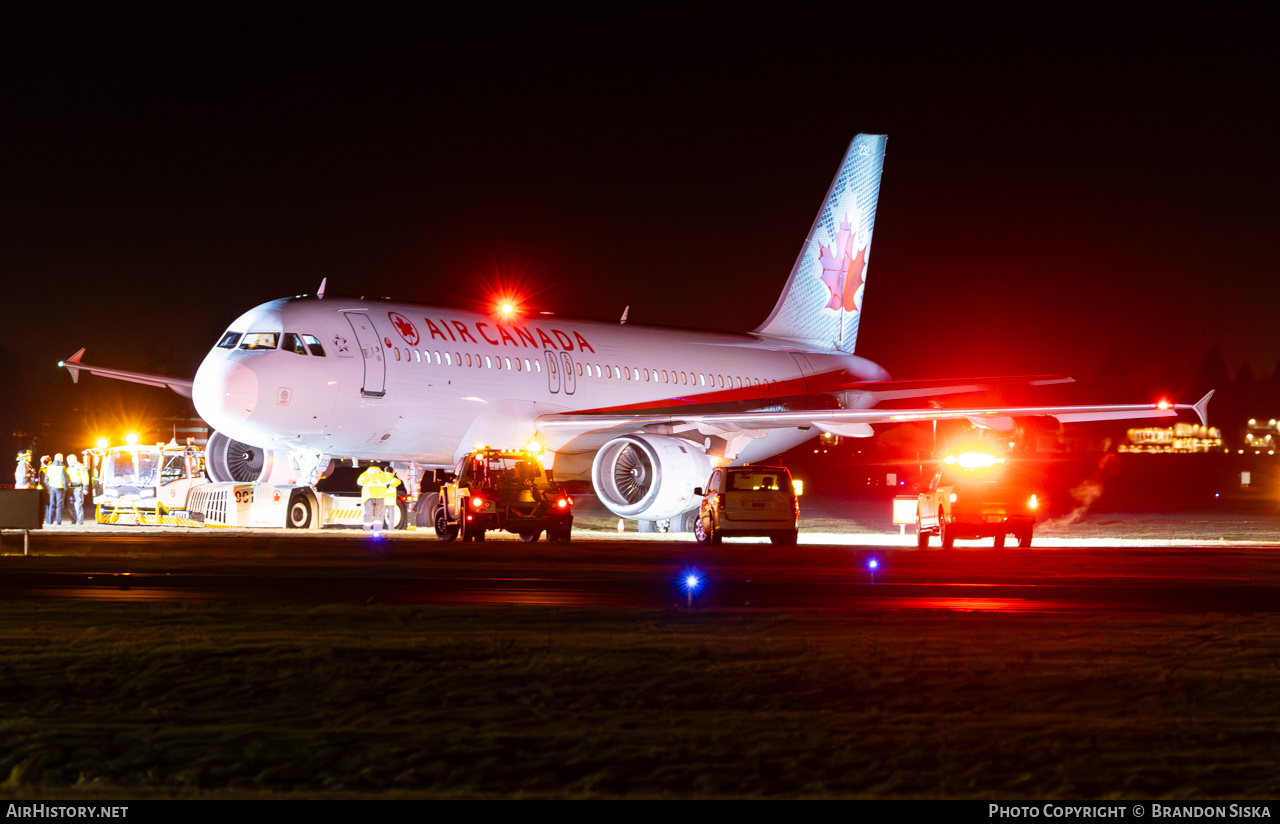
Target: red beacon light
{"x":507,"y":309}
{"x":1164,"y":404}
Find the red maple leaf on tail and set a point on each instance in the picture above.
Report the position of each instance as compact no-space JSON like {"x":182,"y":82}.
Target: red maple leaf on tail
{"x":842,"y":268}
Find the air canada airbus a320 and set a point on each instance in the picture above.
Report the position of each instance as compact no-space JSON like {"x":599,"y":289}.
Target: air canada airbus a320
{"x":643,"y":413}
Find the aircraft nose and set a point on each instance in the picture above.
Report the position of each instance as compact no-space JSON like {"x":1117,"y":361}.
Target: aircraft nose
{"x":225,"y":393}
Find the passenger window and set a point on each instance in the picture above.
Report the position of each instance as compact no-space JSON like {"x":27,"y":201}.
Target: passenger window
{"x":229,"y":340}
{"x":260,"y":340}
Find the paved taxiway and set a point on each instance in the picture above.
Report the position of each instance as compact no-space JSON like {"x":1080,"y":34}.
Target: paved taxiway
{"x":599,"y":569}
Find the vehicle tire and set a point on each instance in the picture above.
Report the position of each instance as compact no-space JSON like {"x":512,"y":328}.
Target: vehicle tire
{"x":530,"y":537}
{"x":399,"y":516}
{"x":789,"y":537}
{"x":922,"y":537}
{"x":1024,"y":537}
{"x":444,"y":530}
{"x":945,"y":531}
{"x":425,"y":512}
{"x":559,"y":536}
{"x":999,"y":542}
{"x":700,"y":533}
{"x":717,"y":536}
{"x":300,"y":512}
{"x":684,"y":521}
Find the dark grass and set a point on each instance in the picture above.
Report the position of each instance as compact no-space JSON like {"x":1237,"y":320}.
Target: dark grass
{"x":146,"y":700}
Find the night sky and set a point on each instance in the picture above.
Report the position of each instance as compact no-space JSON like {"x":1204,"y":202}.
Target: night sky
{"x":1084,"y":195}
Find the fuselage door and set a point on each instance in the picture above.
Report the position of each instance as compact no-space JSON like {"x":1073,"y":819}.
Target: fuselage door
{"x":375,"y":366}
{"x":569,"y":379}
{"x":553,"y":371}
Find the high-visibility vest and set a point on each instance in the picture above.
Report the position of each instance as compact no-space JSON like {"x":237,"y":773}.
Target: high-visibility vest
{"x":56,"y":476}
{"x":390,"y":495}
{"x":373,"y":484}
{"x":76,"y":475}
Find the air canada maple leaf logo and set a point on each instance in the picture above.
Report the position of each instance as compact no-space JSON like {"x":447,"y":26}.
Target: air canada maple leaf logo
{"x":843,"y":267}
{"x":405,"y":327}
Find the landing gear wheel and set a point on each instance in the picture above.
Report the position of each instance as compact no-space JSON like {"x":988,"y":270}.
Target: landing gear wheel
{"x":1024,"y":537}
{"x":424,"y":514}
{"x":946,"y":532}
{"x":445,"y":531}
{"x":300,"y":512}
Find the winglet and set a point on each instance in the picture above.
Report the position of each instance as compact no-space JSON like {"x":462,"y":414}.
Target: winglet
{"x":1202,"y":408}
{"x":75,"y":372}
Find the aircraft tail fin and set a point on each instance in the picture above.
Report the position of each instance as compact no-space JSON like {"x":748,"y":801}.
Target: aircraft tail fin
{"x":822,"y":302}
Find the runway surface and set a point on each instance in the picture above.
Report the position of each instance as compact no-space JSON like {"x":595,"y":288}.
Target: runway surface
{"x":878,"y":572}
{"x":1132,"y":657}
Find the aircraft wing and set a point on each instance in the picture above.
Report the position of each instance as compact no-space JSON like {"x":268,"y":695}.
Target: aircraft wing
{"x":851,"y":422}
{"x":74,"y":366}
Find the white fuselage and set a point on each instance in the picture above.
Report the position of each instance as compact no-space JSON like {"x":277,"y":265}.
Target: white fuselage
{"x":401,"y":381}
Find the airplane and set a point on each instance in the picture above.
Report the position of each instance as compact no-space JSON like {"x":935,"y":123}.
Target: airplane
{"x":642,"y":413}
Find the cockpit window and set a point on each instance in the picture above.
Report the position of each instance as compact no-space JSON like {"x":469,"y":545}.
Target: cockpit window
{"x":316,"y":348}
{"x":260,"y":340}
{"x":229,"y":340}
{"x":292,"y":343}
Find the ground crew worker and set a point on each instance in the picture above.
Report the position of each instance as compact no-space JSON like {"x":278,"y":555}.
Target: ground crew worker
{"x":23,"y":475}
{"x":55,"y":477}
{"x":43,"y":485}
{"x":389,"y":500}
{"x":373,"y":496}
{"x":77,"y":478}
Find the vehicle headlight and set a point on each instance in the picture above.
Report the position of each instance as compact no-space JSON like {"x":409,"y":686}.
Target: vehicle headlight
{"x":1033,"y":502}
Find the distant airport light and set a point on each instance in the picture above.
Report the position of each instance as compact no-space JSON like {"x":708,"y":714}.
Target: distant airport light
{"x":872,"y":566}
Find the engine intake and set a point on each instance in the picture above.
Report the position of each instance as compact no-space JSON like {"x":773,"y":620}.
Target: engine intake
{"x":648,"y":477}
{"x":226,"y":459}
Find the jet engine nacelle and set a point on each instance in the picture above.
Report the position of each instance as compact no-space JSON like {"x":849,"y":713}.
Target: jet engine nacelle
{"x":226,"y":459}
{"x":649,"y":477}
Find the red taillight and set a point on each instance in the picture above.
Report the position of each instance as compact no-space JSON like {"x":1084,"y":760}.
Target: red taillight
{"x":563,"y":502}
{"x":477,"y":503}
